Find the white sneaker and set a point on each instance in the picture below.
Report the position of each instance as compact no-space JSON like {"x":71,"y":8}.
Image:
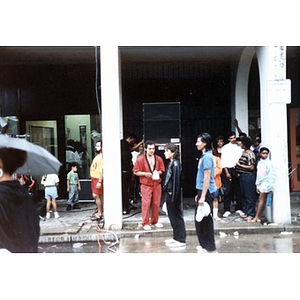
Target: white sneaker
{"x":159,"y":225}
{"x":227,"y":214}
{"x":176,"y":244}
{"x":201,"y":250}
{"x":147,"y":227}
{"x":240,"y":212}
{"x":47,"y":215}
{"x":56,"y":215}
{"x":169,"y":241}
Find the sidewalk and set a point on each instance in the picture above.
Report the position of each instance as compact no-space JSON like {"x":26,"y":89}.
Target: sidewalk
{"x":75,"y":225}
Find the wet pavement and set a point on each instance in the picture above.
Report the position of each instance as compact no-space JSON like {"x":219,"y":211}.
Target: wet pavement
{"x":286,"y":242}
{"x":232,"y":234}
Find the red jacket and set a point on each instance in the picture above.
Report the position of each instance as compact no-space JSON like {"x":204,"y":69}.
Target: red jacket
{"x":141,"y":165}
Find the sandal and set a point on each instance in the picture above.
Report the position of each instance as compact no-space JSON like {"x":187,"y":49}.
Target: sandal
{"x":96,"y":217}
{"x":244,"y":216}
{"x":255,"y":221}
{"x":249,"y":219}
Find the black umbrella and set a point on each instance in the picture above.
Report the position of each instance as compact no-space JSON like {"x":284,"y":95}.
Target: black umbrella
{"x":39,"y":161}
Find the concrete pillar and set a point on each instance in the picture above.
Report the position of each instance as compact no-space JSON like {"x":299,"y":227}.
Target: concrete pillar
{"x":111,"y":132}
{"x":272,"y":66}
{"x":240,"y":107}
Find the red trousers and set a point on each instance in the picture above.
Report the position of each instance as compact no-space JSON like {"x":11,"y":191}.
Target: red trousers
{"x":150,"y":194}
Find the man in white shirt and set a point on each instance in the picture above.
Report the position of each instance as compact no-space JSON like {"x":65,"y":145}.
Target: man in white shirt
{"x":231,"y":152}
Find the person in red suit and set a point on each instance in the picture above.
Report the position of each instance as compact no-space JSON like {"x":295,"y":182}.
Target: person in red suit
{"x":148,"y":168}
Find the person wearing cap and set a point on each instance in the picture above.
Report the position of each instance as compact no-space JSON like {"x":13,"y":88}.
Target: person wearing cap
{"x":205,"y":186}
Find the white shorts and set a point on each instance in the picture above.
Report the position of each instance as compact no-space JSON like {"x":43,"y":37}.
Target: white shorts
{"x":51,"y":192}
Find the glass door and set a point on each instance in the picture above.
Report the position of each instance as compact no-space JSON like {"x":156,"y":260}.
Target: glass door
{"x":81,"y":132}
{"x":44,"y":134}
{"x":295,"y":148}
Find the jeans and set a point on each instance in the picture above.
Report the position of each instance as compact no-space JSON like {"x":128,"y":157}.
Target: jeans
{"x":248,"y":191}
{"x":73,"y":195}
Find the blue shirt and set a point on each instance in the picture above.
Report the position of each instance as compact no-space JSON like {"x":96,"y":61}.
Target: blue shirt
{"x":206,"y":163}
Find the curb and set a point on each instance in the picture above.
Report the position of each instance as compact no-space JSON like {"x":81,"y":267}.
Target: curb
{"x":111,"y":235}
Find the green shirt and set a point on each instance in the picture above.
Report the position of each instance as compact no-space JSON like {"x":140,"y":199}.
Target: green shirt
{"x":72,"y":177}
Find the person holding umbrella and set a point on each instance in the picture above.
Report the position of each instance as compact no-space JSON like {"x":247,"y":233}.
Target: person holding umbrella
{"x":19,"y":220}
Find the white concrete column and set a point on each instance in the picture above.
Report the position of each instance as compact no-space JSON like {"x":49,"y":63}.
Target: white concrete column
{"x":111,"y":126}
{"x":272,"y":66}
{"x":240,"y":111}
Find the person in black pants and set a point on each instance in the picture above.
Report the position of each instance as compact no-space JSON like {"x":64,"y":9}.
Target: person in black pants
{"x":172,"y":197}
{"x":231,"y":153}
{"x":127,"y":146}
{"x":206,"y":188}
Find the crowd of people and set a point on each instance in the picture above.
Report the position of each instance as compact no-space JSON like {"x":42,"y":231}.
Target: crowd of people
{"x":233,"y":173}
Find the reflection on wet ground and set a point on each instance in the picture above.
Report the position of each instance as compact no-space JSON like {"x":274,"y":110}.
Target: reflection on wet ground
{"x":285,"y":242}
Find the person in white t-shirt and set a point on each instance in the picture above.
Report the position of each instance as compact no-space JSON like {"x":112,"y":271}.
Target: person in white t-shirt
{"x":231,"y":153}
{"x":50,"y":181}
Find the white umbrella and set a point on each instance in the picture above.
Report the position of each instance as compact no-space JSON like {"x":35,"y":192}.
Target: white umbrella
{"x":39,"y":160}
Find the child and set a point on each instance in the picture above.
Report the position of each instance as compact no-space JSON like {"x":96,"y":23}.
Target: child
{"x":265,"y":180}
{"x":50,"y":181}
{"x":73,"y":187}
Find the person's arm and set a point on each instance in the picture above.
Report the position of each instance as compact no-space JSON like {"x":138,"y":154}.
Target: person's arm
{"x":68,"y":185}
{"x":246,"y":167}
{"x":140,"y":174}
{"x":137,"y":169}
{"x":206,"y":181}
{"x":176,"y":181}
{"x":78,"y":185}
{"x":236,"y":125}
{"x":218,"y":167}
{"x":137,"y":145}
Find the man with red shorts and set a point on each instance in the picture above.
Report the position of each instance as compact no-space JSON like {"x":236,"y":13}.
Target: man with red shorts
{"x":148,"y":168}
{"x":97,"y":182}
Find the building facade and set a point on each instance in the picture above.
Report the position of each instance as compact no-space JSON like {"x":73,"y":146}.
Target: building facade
{"x":59,"y":94}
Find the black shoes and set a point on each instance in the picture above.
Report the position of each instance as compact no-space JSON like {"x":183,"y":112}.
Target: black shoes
{"x":75,"y":206}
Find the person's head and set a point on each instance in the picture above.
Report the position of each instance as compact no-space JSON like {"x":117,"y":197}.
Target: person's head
{"x":71,"y":143}
{"x":220,"y":141}
{"x":74,"y":167}
{"x":246,"y":143}
{"x":257,"y":141}
{"x":150,"y":147}
{"x":242,"y":134}
{"x":171,"y":151}
{"x":11,"y":159}
{"x":141,"y":148}
{"x":131,"y":138}
{"x":231,"y":137}
{"x":204,"y":142}
{"x":264,"y":152}
{"x":98,"y":147}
